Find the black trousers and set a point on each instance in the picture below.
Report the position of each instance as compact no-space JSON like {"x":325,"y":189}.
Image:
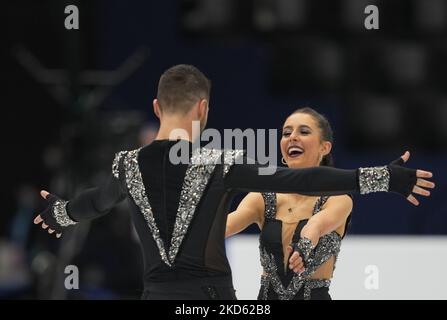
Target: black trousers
{"x":213,"y":288}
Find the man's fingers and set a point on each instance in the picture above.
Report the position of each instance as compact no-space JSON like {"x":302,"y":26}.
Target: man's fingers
{"x":44,"y":194}
{"x":425,"y":183}
{"x":424,"y":174}
{"x":421,"y":191}
{"x":413,"y":200}
{"x":38,"y":219}
{"x":44,"y":226}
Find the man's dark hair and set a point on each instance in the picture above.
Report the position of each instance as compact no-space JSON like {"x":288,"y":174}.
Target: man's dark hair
{"x":180,"y":87}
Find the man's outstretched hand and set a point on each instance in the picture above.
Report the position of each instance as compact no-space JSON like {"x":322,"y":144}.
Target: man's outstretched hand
{"x":46,"y":195}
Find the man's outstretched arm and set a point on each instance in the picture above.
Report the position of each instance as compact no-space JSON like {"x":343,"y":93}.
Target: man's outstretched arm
{"x":89,"y":204}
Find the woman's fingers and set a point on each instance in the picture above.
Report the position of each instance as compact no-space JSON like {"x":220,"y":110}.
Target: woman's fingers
{"x":50,"y":231}
{"x":58,"y":235}
{"x":289,"y":250}
{"x":423,"y":174}
{"x":406,"y":156}
{"x":296,"y":264}
{"x":413,"y":200}
{"x":425,"y":183}
{"x":299,"y":269}
{"x":420,"y":185}
{"x":294,"y":258}
{"x":44,"y":226}
{"x":421,"y":191}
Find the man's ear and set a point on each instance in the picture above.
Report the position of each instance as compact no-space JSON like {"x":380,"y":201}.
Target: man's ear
{"x":326,"y":148}
{"x":203,"y":109}
{"x":157,"y":109}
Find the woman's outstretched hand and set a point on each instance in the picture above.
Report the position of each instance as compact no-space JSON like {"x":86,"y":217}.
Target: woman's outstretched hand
{"x":421,"y":185}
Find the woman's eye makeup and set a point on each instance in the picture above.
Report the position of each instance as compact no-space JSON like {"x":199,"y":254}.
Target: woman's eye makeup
{"x":303,"y":131}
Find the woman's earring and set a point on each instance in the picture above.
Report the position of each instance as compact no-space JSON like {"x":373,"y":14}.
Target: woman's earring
{"x":283,"y":161}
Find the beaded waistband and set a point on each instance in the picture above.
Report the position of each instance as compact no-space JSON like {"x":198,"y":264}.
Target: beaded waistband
{"x":294,"y":286}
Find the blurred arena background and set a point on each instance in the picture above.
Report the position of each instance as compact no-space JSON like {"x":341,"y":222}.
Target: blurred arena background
{"x":72,"y":98}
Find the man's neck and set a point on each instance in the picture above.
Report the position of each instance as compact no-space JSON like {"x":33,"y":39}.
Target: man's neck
{"x":175,"y":128}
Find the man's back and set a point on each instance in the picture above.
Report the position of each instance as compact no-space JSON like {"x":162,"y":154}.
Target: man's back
{"x":185,"y":237}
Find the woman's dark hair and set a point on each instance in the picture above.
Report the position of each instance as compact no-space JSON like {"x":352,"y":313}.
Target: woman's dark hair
{"x":326,"y":132}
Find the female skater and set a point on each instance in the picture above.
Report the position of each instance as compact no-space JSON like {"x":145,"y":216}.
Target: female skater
{"x":314,"y":225}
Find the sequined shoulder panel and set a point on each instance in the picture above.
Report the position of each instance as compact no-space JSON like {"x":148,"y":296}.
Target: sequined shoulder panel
{"x":202,"y":164}
{"x":137,"y":191}
{"x":319,"y":204}
{"x":116,"y":162}
{"x":270,"y":204}
{"x":196,"y":179}
{"x":230,"y":158}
